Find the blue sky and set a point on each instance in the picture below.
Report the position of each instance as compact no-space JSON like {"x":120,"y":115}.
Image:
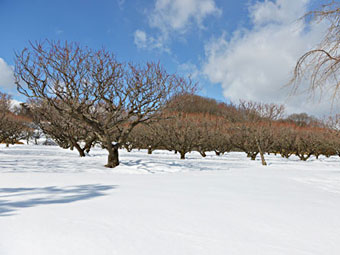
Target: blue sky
{"x":227,"y":45}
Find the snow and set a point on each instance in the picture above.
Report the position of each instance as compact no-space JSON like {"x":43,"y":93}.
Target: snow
{"x":53,"y":202}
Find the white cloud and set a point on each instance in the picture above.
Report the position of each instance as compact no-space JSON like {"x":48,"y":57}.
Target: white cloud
{"x":255,"y":64}
{"x":280,"y":11}
{"x":176,"y":17}
{"x":140,"y":38}
{"x":6,"y":76}
{"x":144,"y":41}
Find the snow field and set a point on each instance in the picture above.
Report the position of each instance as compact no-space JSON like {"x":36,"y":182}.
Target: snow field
{"x":53,"y":202}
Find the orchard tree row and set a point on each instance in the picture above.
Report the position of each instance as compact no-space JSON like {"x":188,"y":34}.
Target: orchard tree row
{"x":186,"y":123}
{"x":81,"y":97}
{"x":254,"y":128}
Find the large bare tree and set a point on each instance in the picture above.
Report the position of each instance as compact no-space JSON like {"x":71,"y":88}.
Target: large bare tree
{"x":95,"y":89}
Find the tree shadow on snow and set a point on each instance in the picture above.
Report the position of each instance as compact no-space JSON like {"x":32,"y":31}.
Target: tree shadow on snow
{"x":14,"y":199}
{"x":152,"y":166}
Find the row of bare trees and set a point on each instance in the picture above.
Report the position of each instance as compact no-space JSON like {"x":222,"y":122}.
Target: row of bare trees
{"x":254,"y":128}
{"x":189,"y":123}
{"x":98,"y":99}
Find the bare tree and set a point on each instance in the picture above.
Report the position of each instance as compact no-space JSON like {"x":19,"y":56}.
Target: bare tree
{"x":304,"y":147}
{"x":321,"y":65}
{"x":5,"y":103}
{"x":67,"y":132}
{"x":284,"y":139}
{"x":13,"y":127}
{"x":144,"y":137}
{"x":179,"y":132}
{"x":214,"y":135}
{"x":303,"y":120}
{"x":94,"y":88}
{"x":333,"y":141}
{"x":254,"y":132}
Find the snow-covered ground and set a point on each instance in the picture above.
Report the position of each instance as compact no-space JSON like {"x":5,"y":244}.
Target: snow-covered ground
{"x":54,"y":203}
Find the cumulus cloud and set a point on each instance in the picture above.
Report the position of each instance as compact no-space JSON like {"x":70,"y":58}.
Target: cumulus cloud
{"x":280,"y":11}
{"x":176,"y":17}
{"x":255,"y":64}
{"x":6,"y":76}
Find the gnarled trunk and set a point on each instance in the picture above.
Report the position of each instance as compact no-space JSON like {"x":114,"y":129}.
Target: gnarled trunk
{"x":113,"y":158}
{"x":182,"y":154}
{"x":80,"y":150}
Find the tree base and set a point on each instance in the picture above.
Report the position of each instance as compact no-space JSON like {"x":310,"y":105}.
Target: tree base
{"x":113,"y":165}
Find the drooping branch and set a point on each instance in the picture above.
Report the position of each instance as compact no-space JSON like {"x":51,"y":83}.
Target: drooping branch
{"x":320,"y":66}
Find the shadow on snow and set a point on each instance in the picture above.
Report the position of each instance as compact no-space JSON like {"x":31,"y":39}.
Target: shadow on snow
{"x":30,"y":197}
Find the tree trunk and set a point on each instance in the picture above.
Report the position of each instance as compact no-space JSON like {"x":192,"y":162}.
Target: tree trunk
{"x":303,"y":157}
{"x":182,"y":154}
{"x":287,"y":155}
{"x":88,"y":145}
{"x":128,"y":147}
{"x":252,"y":155}
{"x":263,"y":161}
{"x":149,"y":150}
{"x":217,"y":153}
{"x":113,"y":158}
{"x":203,"y":154}
{"x":80,"y":150}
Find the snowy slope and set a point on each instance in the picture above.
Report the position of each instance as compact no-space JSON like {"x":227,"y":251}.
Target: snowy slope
{"x":53,"y":202}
